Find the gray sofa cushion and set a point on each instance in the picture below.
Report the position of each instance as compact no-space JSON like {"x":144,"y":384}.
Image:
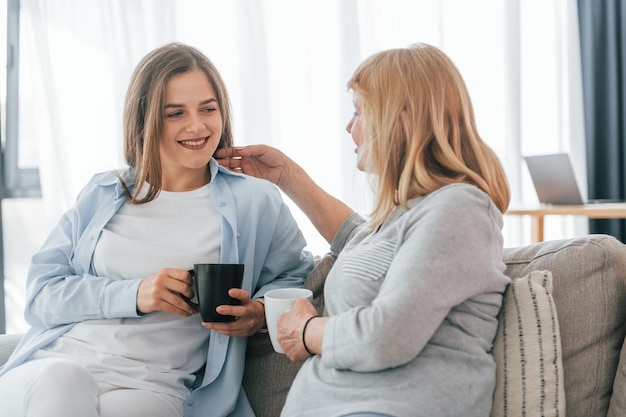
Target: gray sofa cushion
{"x":9,"y":341}
{"x":588,"y":278}
{"x":617,"y":407}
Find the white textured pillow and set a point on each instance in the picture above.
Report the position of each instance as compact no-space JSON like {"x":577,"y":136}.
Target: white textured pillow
{"x":527,"y":351}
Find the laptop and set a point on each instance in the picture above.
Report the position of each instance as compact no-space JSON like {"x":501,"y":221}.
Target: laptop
{"x":554,"y":180}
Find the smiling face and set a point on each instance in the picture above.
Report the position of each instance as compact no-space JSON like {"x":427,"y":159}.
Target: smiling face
{"x":192,"y":126}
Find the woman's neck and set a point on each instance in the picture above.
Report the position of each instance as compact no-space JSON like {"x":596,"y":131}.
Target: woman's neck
{"x":186,"y":181}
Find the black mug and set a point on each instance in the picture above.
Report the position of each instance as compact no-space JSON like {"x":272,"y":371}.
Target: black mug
{"x":211,"y":283}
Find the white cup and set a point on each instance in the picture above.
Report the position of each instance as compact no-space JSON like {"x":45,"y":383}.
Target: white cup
{"x":277,"y":302}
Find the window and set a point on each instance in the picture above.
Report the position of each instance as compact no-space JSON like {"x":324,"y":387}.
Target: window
{"x":19,"y":175}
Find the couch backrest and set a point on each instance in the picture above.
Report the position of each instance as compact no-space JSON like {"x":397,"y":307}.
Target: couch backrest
{"x":588,"y":276}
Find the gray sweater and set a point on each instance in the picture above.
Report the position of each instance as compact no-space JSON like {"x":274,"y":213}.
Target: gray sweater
{"x":413,"y":312}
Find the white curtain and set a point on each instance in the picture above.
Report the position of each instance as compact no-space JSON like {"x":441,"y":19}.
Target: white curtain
{"x":77,"y":57}
{"x":286,"y":64}
{"x":551,"y":111}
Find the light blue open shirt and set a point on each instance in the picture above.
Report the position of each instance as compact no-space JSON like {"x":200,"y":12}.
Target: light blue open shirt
{"x":257,"y":230}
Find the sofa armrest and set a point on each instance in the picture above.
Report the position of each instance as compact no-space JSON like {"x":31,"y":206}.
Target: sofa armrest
{"x":7,"y":345}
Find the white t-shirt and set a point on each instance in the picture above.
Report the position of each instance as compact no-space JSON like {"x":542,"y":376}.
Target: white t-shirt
{"x":158,"y":351}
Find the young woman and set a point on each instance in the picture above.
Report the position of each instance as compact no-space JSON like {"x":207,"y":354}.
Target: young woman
{"x":111,"y":334}
{"x":412,"y":299}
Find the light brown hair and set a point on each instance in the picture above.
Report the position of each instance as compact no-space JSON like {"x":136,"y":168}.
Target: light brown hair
{"x":418,"y":122}
{"x":144,"y":113}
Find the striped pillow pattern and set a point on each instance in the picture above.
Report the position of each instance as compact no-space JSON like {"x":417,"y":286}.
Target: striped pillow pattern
{"x":527,"y":351}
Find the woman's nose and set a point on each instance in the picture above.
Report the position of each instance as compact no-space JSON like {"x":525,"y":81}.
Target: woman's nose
{"x":195,"y":125}
{"x":349,"y":125}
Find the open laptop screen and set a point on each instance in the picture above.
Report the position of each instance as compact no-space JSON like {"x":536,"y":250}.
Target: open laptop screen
{"x":553,"y":178}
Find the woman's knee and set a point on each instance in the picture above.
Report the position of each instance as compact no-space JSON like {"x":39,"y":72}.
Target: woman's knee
{"x":50,"y":388}
{"x":63,"y":374}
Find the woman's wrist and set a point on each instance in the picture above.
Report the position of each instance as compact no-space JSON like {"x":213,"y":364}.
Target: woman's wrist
{"x":304,"y":343}
{"x":261,"y":301}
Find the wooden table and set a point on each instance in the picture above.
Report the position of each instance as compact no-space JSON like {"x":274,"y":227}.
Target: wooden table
{"x":591,"y":211}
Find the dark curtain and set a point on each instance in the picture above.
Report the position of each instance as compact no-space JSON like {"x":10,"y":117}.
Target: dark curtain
{"x":602,"y":42}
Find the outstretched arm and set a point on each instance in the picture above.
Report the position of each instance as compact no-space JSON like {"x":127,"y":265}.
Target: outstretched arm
{"x":326,"y":212}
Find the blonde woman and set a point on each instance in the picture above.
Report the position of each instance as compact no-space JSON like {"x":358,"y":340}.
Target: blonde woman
{"x":412,"y":299}
{"x":110,"y":334}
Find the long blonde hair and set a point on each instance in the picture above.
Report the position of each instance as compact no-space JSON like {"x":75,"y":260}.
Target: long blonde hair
{"x":420,"y":129}
{"x":143,"y":111}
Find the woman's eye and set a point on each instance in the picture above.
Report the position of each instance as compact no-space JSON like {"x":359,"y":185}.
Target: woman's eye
{"x":175,"y":114}
{"x":209,"y":110}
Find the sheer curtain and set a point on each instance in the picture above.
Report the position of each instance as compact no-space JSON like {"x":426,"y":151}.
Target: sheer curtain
{"x":286,"y":64}
{"x":551,"y":105}
{"x":76,"y":58}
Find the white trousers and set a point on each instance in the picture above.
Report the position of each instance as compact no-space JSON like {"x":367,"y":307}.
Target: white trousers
{"x":63,"y":388}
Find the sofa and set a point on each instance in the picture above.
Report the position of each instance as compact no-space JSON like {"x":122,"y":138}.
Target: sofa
{"x":558,"y":348}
